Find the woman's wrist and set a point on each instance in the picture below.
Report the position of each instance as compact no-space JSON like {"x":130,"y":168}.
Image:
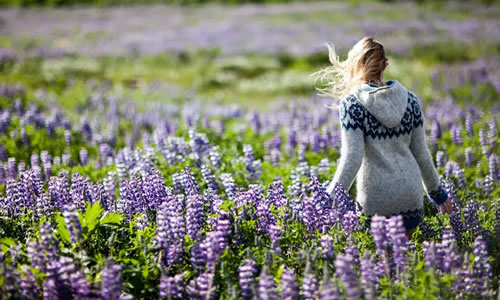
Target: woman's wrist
{"x":439,"y":196}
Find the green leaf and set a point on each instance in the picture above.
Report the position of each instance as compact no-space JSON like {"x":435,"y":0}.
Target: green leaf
{"x":91,"y":216}
{"x":8,"y":241}
{"x":62,"y":230}
{"x":111,"y":218}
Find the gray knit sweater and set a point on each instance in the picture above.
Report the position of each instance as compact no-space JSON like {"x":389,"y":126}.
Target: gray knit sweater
{"x":384,"y":145}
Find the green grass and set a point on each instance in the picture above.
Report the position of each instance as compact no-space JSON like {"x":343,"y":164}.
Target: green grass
{"x":253,"y":80}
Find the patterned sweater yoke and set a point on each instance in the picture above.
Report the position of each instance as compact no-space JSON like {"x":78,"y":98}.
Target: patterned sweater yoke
{"x":383,"y":145}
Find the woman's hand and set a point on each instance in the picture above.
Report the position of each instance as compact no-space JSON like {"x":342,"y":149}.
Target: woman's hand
{"x":446,"y":207}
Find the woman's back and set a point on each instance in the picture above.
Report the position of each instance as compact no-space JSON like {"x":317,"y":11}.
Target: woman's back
{"x":389,"y":178}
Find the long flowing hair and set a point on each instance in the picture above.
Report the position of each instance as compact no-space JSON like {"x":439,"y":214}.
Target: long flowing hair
{"x":365,"y":63}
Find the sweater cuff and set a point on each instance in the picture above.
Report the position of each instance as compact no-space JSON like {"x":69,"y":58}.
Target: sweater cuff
{"x":439,"y":196}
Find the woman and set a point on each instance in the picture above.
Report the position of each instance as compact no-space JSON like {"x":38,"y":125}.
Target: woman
{"x":382,"y":136}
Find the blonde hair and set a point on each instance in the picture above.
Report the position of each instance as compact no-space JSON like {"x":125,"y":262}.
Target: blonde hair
{"x":365,"y":63}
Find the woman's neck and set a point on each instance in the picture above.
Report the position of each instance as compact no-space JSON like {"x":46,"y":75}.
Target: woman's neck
{"x":378,"y":82}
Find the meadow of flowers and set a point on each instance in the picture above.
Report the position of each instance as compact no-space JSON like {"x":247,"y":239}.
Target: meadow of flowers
{"x":108,"y":191}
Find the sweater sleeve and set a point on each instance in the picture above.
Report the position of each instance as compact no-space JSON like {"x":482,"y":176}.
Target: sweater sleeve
{"x":420,"y":150}
{"x":352,"y":145}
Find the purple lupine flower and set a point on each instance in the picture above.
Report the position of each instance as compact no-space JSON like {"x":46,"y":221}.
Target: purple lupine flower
{"x":34,"y":159}
{"x":141,"y":222}
{"x":324,"y":165}
{"x":450,"y":189}
{"x":492,"y":131}
{"x":482,"y":137}
{"x":111,"y":281}
{"x":43,"y":205}
{"x":435,"y":132}
{"x":482,"y":266}
{"x":73,"y":278}
{"x":369,"y":278}
{"x":59,"y":190}
{"x":492,"y":166}
{"x":488,"y":185}
{"x":199,"y":255}
{"x":352,"y":251}
{"x":84,"y":156}
{"x":194,"y":215}
{"x":379,"y":233}
{"x":470,"y":216}
{"x":66,"y":159}
{"x":72,"y":222}
{"x":450,"y":168}
{"x":246,"y":274}
{"x":301,"y":155}
{"x":14,"y":197}
{"x":202,"y":287}
{"x":429,"y":251}
{"x":460,"y":175}
{"x":12,"y":167}
{"x":477,"y":280}
{"x":248,"y":159}
{"x":170,"y":229}
{"x":215,"y":157}
{"x":172,"y":287}
{"x":440,"y":159}
{"x":222,"y":234}
{"x":10,"y":286}
{"x":35,"y":254}
{"x":309,"y":213}
{"x":309,"y":284}
{"x":351,"y":222}
{"x":457,"y":225}
{"x":342,"y":199}
{"x":329,"y":290}
{"x":264,"y":214}
{"x":67,"y":137}
{"x":469,"y":125}
{"x":469,"y":156}
{"x":396,"y":233}
{"x":109,"y":183}
{"x":31,"y":187}
{"x":48,"y":243}
{"x":177,"y":181}
{"x":275,"y":235}
{"x":303,"y":169}
{"x":24,"y":137}
{"x":53,"y":286}
{"x":449,"y":258}
{"x":296,"y":188}
{"x":267,"y":287}
{"x":289,"y":286}
{"x":199,"y":143}
{"x":189,"y":182}
{"x":276,"y":193}
{"x":211,"y":249}
{"x":327,"y":249}
{"x":80,"y":286}
{"x":344,"y":270}
{"x":79,"y":190}
{"x":456,"y":134}
{"x":28,"y":286}
{"x":255,"y":121}
{"x":321,"y":198}
{"x":229,"y":185}
{"x":209,"y":178}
